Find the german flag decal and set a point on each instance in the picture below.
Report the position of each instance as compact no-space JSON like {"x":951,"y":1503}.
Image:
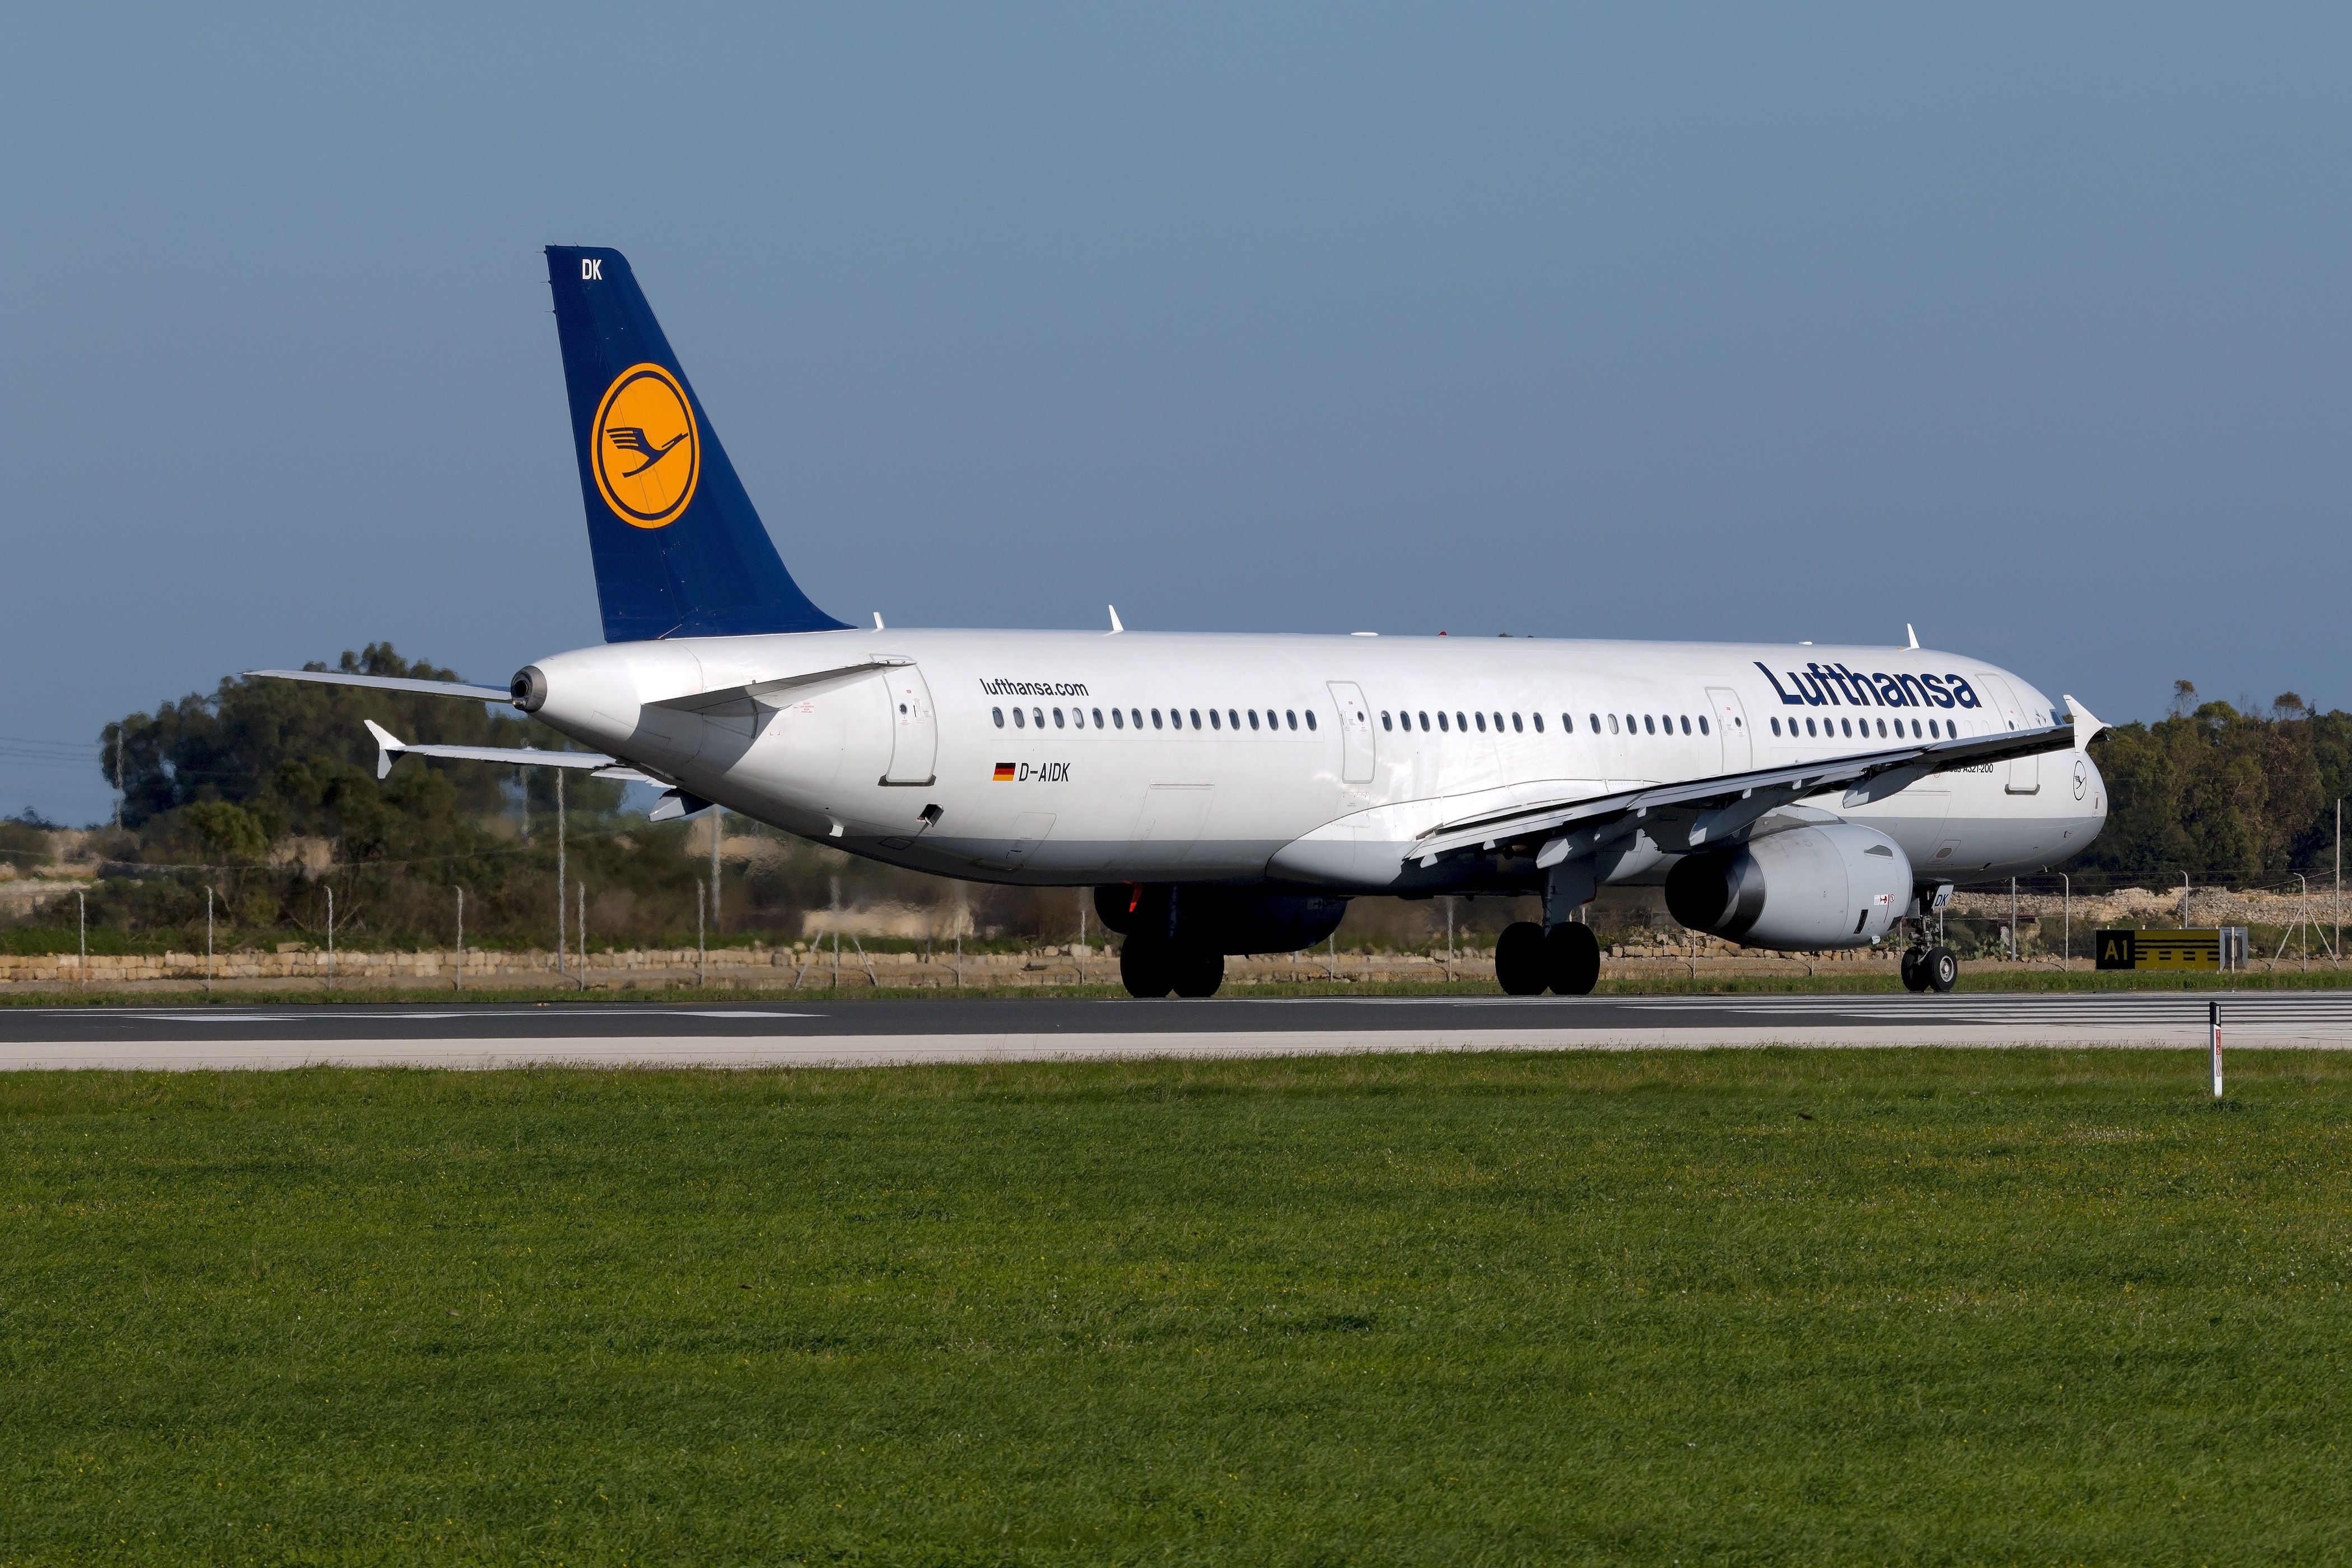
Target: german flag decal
{"x":1004,"y":772}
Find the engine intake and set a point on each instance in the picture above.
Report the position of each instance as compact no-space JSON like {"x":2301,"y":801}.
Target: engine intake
{"x":1834,"y":885}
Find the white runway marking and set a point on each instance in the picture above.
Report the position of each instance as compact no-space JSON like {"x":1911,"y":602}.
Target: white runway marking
{"x":880,"y":1050}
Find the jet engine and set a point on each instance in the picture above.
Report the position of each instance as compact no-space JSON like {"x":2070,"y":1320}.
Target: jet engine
{"x":1202,"y":917}
{"x":1834,"y":885}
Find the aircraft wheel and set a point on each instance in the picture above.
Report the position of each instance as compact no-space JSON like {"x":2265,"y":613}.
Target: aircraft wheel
{"x":1198,"y":973}
{"x":1915,"y":977}
{"x":1146,"y":968}
{"x":1571,"y":960}
{"x":1519,"y":959}
{"x":1940,"y":969}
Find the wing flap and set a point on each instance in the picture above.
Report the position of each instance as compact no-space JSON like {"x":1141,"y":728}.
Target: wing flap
{"x":1730,"y":801}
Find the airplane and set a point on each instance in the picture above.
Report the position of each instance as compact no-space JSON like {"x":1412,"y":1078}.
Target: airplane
{"x":1228,"y":793}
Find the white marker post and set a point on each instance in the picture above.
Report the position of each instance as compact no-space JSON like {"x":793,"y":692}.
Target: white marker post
{"x":2213,"y":1022}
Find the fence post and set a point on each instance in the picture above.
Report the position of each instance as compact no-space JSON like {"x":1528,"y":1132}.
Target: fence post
{"x":582,"y":886}
{"x":330,"y":936}
{"x":701,"y":945}
{"x":81,"y":935}
{"x":457,"y":975}
{"x":208,"y":939}
{"x":561,"y":874}
{"x":2213,"y":1023}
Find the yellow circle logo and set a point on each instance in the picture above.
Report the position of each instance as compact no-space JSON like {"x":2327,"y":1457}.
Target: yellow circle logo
{"x":646,"y":450}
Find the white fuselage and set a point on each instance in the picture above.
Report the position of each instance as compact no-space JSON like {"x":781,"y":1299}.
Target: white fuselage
{"x":1304,"y":761}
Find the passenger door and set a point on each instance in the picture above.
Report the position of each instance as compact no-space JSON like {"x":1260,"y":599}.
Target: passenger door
{"x":2024,"y":773}
{"x":1731,"y":723}
{"x":1357,"y":751}
{"x":914,"y":727}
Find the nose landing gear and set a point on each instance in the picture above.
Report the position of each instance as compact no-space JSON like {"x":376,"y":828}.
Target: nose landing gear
{"x":1930,"y":969}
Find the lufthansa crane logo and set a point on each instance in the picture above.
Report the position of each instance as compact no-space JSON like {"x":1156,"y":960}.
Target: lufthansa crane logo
{"x":646,"y":450}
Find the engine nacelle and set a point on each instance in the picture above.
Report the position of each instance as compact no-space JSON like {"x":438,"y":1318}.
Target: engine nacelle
{"x":1212,"y":918}
{"x":1834,"y":885}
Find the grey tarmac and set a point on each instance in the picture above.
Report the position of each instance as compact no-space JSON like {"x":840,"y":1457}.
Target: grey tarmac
{"x":881,"y":1033}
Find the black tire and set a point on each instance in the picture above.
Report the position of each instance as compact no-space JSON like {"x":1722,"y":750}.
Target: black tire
{"x":1144,"y":968}
{"x":1915,"y":977}
{"x":1571,"y":960}
{"x":1519,"y":959}
{"x":1941,"y":970}
{"x":1198,"y":973}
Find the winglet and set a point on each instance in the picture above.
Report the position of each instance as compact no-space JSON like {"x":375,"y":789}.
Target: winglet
{"x":1910,"y":633}
{"x":2086,"y":723}
{"x":386,"y":748}
{"x":1115,"y":626}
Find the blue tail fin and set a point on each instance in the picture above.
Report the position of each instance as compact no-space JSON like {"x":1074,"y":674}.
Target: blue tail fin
{"x":679,"y":551}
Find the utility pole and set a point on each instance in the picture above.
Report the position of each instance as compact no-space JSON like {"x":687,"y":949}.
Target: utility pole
{"x":2069,"y":953}
{"x":701,"y":946}
{"x":584,"y":936}
{"x":2016,"y":937}
{"x":330,"y":936}
{"x":208,"y":939}
{"x":561,"y":875}
{"x":81,"y":932}
{"x":457,"y":976}
{"x":118,"y":783}
{"x":718,"y":822}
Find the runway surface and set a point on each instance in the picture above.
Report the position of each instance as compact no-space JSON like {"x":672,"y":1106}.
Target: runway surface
{"x":861,"y":1034}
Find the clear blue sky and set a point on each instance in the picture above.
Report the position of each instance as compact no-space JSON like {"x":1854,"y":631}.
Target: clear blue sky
{"x":2028,"y":325}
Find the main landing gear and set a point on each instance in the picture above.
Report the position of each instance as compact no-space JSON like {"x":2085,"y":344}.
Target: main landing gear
{"x":1930,"y":969}
{"x":1150,"y":968}
{"x":1530,"y":960}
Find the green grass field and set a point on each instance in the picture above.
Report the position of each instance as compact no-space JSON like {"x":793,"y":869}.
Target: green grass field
{"x":1750,"y":1307}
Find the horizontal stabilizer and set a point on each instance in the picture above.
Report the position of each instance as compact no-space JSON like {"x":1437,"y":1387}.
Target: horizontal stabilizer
{"x":675,"y":803}
{"x":595,"y":764}
{"x":388,"y":683}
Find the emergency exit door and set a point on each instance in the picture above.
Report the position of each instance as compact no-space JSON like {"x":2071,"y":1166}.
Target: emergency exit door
{"x":1357,"y":748}
{"x":914,"y":727}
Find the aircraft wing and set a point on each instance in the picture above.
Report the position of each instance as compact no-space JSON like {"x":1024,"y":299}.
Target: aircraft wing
{"x":388,"y":683}
{"x":1726,"y":804}
{"x":596,"y":763}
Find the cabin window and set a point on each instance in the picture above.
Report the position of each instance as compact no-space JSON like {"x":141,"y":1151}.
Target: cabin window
{"x":1293,"y":716}
{"x":1424,"y":721}
{"x":1310,"y":718}
{"x":1686,"y":723}
{"x":1136,"y":714}
{"x":1386,"y":722}
{"x":1482,"y":724}
{"x":1536,"y":718}
{"x":1612,"y":723}
{"x":1253,"y":718}
{"x":1196,"y":718}
{"x":1038,"y":716}
{"x":1516,"y":728}
{"x":1098,"y":719}
{"x":1702,"y":723}
{"x":1155,"y":718}
{"x":1460,"y":722}
{"x":998,"y":713}
{"x":1808,"y":726}
{"x":1018,"y":722}
{"x":1118,"y":719}
{"x":1214,"y":722}
{"x":1849,"y":725}
{"x":1776,"y":726}
{"x":1057,"y":719}
{"x":1232,"y":719}
{"x":1443,"y":722}
{"x":1593,"y":718}
{"x":1650,"y":726}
